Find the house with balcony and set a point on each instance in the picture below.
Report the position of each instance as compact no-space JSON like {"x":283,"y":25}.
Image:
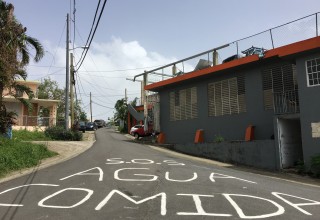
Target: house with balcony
{"x":274,"y":94}
{"x":27,"y":119}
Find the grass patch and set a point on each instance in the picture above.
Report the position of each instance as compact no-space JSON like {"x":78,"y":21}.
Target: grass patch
{"x":16,"y":155}
{"x":25,"y":135}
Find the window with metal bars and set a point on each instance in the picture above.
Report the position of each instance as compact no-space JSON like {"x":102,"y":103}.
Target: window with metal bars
{"x":227,"y":97}
{"x":278,"y":82}
{"x":313,"y":71}
{"x":183,"y":104}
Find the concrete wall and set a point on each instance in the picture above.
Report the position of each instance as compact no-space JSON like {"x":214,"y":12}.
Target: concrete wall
{"x":309,"y":109}
{"x":230,"y":127}
{"x":260,"y":154}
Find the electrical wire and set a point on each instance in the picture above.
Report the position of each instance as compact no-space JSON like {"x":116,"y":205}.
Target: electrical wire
{"x":97,"y":24}
{"x":53,"y":73}
{"x":93,"y":22}
{"x":102,"y":105}
{"x":55,"y":52}
{"x":78,"y":85}
{"x":100,"y":86}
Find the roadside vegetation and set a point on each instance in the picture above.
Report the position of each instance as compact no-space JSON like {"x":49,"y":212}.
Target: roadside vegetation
{"x":50,"y":134}
{"x":16,"y":154}
{"x":25,"y":135}
{"x":19,"y":152}
{"x":313,"y":171}
{"x":315,"y":166}
{"x":60,"y":133}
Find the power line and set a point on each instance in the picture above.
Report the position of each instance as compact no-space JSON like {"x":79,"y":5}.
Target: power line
{"x":102,"y":105}
{"x":55,"y":52}
{"x":102,"y":71}
{"x":101,"y":86}
{"x":95,"y":29}
{"x":76,"y":81}
{"x":96,"y":96}
{"x":53,"y":73}
{"x":94,"y":20}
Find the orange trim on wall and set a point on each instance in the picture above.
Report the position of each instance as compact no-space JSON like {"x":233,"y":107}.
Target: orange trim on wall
{"x":294,"y":48}
{"x":249,"y":133}
{"x":199,"y":136}
{"x":161,"y":138}
{"x":290,"y":49}
{"x":203,"y":72}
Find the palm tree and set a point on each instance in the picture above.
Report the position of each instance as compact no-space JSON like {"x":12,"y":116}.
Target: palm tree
{"x":15,"y":47}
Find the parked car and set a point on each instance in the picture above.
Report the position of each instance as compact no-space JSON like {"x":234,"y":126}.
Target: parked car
{"x":100,"y":123}
{"x":138,"y":131}
{"x":82,"y":126}
{"x":91,"y":126}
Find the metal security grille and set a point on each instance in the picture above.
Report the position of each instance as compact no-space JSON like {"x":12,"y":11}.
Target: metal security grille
{"x":227,"y":97}
{"x":278,"y":81}
{"x":313,"y":71}
{"x":183,"y":104}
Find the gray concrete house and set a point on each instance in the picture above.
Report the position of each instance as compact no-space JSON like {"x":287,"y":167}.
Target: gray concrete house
{"x":278,"y":94}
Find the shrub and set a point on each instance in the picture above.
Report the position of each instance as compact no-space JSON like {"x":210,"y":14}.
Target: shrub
{"x":59,"y":133}
{"x":123,"y":129}
{"x":315,"y":166}
{"x":218,"y":138}
{"x":300,"y":166}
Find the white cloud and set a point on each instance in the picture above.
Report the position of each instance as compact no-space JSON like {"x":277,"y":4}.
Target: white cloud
{"x":103,"y":72}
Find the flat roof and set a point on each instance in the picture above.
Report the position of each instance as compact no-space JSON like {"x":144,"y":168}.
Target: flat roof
{"x":284,"y":51}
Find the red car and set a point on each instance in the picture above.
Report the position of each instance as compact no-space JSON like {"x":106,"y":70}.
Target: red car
{"x":138,"y":131}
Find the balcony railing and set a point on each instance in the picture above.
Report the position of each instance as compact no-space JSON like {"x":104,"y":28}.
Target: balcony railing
{"x":300,"y":29}
{"x":35,"y":121}
{"x":286,"y":102}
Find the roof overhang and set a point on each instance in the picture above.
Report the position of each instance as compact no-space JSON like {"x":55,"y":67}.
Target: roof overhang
{"x":46,"y":101}
{"x":312,"y":44}
{"x":28,"y":82}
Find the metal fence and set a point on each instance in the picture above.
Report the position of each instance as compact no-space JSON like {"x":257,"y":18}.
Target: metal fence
{"x":297,"y":30}
{"x":286,"y":102}
{"x":35,"y":121}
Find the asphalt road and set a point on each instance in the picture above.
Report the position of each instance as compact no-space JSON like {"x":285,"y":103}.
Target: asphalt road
{"x":120,"y":179}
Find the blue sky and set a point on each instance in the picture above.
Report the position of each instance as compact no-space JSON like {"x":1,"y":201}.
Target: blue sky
{"x":142,"y":34}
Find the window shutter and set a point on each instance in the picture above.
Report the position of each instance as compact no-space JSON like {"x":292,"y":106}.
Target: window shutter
{"x":183,"y":104}
{"x":278,"y":79}
{"x":227,"y":97}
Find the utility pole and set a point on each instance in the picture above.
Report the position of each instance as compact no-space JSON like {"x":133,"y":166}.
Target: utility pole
{"x":145,"y":102}
{"x":125,"y":95}
{"x":67,"y":78}
{"x":90,"y":108}
{"x":72,"y":88}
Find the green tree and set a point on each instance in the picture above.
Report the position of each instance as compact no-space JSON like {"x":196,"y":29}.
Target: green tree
{"x":121,"y":113}
{"x":49,"y":89}
{"x":15,"y":47}
{"x":121,"y":110}
{"x":83,"y":116}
